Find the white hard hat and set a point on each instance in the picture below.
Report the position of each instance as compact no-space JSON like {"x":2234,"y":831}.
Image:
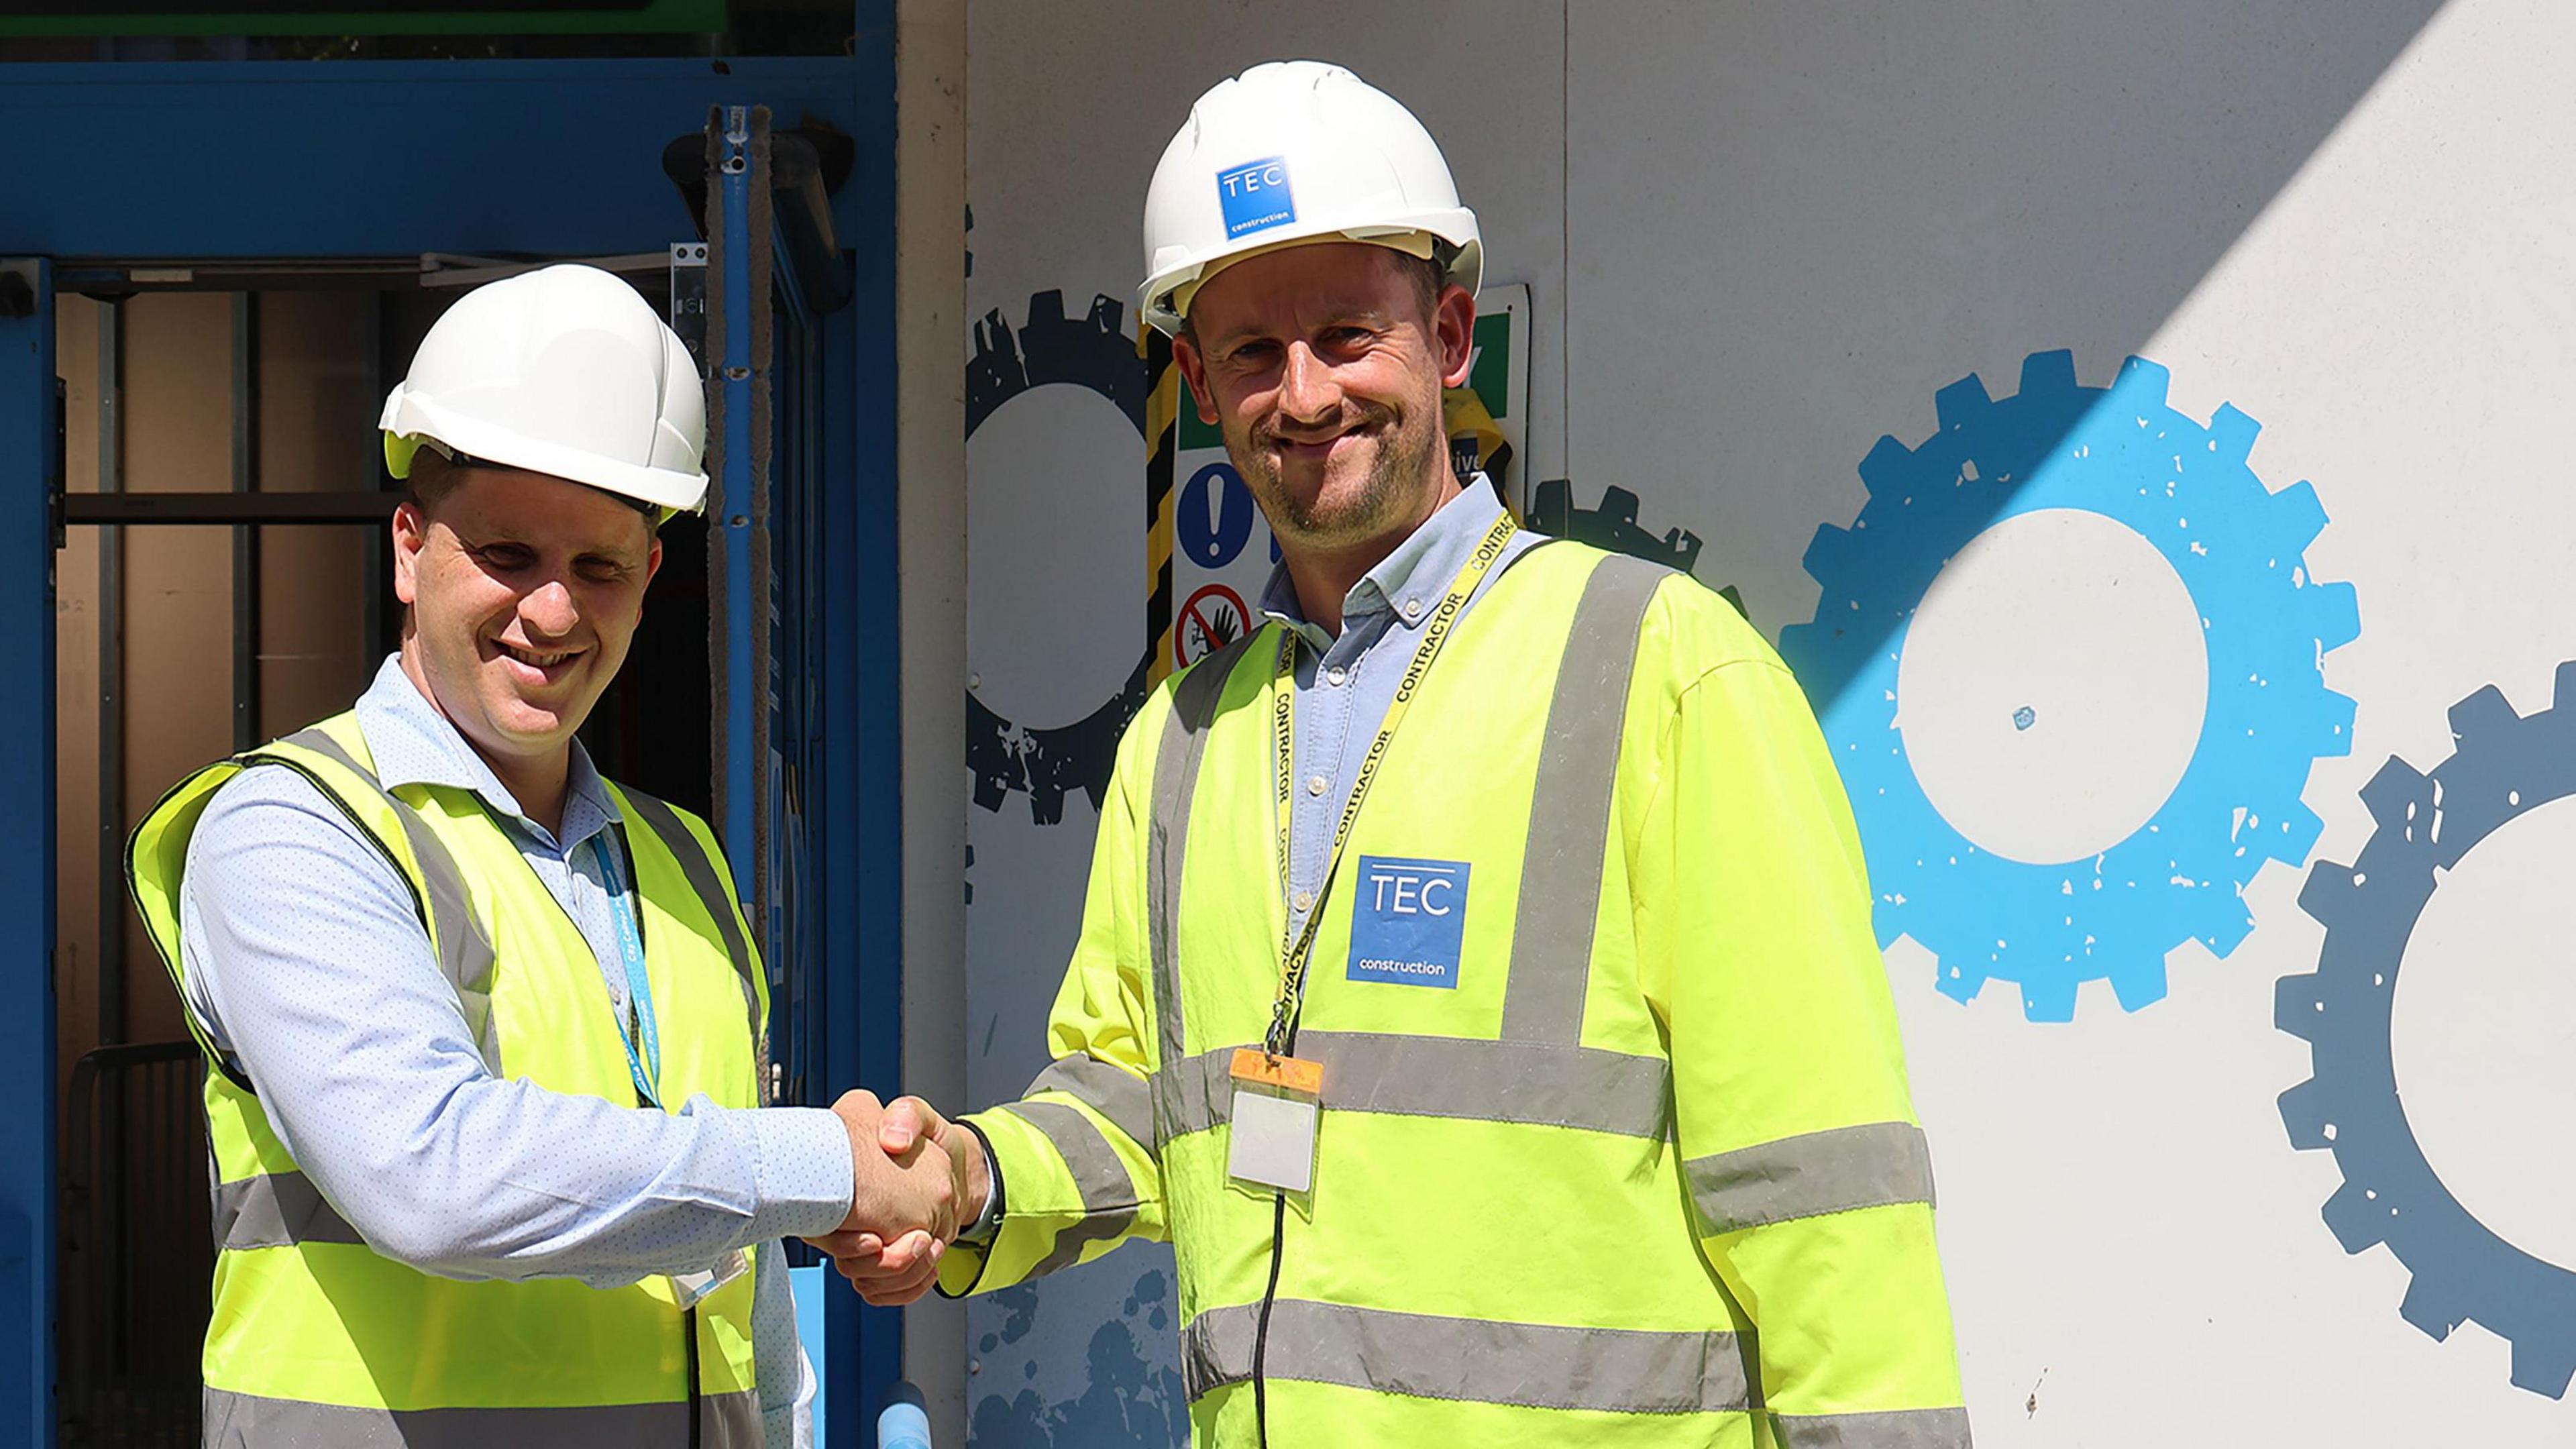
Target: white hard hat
{"x":1296,"y":151}
{"x":563,"y":370}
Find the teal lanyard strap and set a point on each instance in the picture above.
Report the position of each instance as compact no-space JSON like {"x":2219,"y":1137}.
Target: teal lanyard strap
{"x":646,"y":1065}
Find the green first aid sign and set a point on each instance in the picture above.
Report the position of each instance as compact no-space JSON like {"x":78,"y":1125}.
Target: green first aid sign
{"x":358,"y":17}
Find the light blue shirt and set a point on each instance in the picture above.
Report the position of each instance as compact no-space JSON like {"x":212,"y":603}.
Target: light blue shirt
{"x":306,"y":962}
{"x":1345,"y":684}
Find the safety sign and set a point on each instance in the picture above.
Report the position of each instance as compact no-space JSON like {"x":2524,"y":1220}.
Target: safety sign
{"x":1213,"y":618}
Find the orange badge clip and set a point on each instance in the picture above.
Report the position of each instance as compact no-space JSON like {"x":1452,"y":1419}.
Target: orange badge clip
{"x":1290,"y":1075}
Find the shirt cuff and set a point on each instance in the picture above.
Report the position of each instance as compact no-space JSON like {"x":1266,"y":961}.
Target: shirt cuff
{"x":802,"y":1172}
{"x":989,"y":1222}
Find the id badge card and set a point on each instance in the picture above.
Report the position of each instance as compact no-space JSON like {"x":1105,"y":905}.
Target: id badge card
{"x":1278,"y":1102}
{"x":691,"y":1289}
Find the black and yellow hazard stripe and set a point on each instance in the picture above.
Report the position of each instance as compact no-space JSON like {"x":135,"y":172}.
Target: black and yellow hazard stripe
{"x":1162,"y":446}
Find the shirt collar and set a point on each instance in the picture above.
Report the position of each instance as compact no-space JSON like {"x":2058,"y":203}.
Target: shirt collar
{"x":1418,"y":572}
{"x":413,"y":744}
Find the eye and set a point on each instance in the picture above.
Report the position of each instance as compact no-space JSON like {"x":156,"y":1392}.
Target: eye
{"x":600,"y":569}
{"x":1252,"y":354}
{"x":505,"y":557}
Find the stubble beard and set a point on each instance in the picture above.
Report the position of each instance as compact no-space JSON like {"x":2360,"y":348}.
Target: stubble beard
{"x":1407,"y":455}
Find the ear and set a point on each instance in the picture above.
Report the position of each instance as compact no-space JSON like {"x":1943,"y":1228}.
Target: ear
{"x":410,"y":535}
{"x":1193,"y":364}
{"x":1453,"y":323}
{"x":652,"y":566}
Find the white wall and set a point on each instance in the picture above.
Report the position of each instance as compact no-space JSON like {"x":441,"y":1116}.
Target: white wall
{"x":1760,"y":237}
{"x":930,"y":280}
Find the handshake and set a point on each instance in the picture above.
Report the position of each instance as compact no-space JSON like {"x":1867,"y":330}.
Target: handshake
{"x":917,"y":1181}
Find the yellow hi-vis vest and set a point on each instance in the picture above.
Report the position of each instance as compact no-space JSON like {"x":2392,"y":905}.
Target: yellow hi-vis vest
{"x":316,"y":1338}
{"x":1646,"y":1174}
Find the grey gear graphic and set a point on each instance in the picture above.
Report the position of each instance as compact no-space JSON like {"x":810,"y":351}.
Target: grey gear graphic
{"x":1611,"y":524}
{"x":2504,"y":765}
{"x":1044,"y":761}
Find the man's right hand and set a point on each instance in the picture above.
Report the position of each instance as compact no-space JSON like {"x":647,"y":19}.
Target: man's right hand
{"x":905,"y":1200}
{"x":897,"y":1272}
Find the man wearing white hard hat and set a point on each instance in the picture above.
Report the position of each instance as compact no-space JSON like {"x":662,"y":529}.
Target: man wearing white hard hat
{"x":487,"y":1033}
{"x":1476,"y":984}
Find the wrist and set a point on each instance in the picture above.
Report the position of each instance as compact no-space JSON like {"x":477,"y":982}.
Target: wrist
{"x":979,"y":1212}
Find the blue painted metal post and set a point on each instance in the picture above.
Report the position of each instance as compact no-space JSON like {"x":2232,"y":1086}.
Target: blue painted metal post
{"x":30,"y":450}
{"x":745,"y":679}
{"x":860,"y":595}
{"x":745,"y":676}
{"x":859,"y":850}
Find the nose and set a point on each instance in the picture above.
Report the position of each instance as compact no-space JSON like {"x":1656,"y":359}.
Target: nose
{"x":1308,"y":390}
{"x":548,"y":610}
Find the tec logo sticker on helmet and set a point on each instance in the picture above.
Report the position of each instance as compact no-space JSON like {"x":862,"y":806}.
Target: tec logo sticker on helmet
{"x":1256,"y":196}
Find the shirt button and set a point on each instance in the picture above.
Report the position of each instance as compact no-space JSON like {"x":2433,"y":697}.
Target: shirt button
{"x":1413,"y":608}
{"x":1315,"y":784}
{"x":1336,"y":674}
{"x":1305,"y":901}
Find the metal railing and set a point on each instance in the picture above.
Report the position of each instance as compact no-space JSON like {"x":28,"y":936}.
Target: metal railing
{"x":137,"y":1247}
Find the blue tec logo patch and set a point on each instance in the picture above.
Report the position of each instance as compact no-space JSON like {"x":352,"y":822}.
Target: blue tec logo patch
{"x":1409,"y":922}
{"x":1256,"y":196}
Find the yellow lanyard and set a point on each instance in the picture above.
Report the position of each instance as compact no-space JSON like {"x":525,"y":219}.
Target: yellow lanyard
{"x":1283,"y":729}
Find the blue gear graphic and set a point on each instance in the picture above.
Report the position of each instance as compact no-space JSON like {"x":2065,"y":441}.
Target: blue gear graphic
{"x":2186,"y":489}
{"x":2504,"y":765}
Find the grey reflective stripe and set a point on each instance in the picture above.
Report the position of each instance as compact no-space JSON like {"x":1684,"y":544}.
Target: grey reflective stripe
{"x":464,"y":950}
{"x":703,"y":878}
{"x":1535,"y":1365}
{"x":1216,"y":1348}
{"x":1811,"y":1174}
{"x":1895,"y":1429}
{"x":1176,"y":779}
{"x":1108,"y":1194}
{"x":1569,"y":827}
{"x":277,"y":1210}
{"x":1439,"y":1076}
{"x":1113,"y":1092}
{"x":247,"y":1421}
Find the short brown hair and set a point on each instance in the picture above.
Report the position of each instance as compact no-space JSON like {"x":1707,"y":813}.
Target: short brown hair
{"x":431,"y":479}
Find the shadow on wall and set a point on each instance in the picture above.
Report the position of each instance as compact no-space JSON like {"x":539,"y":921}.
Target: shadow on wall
{"x":1884,"y":200}
{"x":1780,"y":217}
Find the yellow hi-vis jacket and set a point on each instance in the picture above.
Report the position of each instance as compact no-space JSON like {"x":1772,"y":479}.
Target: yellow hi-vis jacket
{"x":317,"y":1339}
{"x":1647,"y":1175}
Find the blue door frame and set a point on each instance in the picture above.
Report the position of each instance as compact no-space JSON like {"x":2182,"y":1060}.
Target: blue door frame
{"x":390,"y":159}
{"x":29,"y":454}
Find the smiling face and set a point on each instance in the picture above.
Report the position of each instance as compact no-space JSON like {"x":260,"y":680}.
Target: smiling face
{"x":525,"y":591}
{"x":1323,"y":366}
